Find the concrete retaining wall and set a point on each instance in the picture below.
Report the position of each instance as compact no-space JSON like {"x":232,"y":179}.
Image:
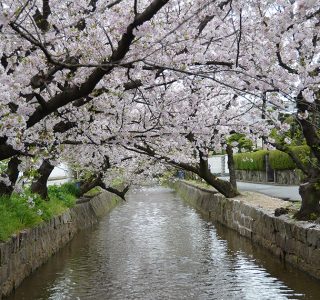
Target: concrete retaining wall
{"x":296,"y":242}
{"x":251,"y":176}
{"x":288,"y":177}
{"x":31,"y":248}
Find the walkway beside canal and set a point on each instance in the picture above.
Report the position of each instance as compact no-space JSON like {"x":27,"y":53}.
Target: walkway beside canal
{"x":285,"y":192}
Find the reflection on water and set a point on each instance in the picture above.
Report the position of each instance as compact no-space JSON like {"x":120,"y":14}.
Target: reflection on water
{"x":156,"y":247}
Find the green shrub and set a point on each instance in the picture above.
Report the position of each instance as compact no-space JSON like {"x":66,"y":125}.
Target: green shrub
{"x":26,"y":210}
{"x":66,"y":193}
{"x":243,"y":142}
{"x":254,"y":161}
{"x":3,"y":165}
{"x":279,"y":160}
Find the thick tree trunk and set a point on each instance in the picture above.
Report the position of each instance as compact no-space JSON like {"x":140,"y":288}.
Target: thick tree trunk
{"x":12,"y":174}
{"x":202,"y":170}
{"x":86,"y":186}
{"x":222,"y":186}
{"x":120,"y":194}
{"x":310,"y":207}
{"x":13,"y":169}
{"x":5,"y":189}
{"x":232,"y":171}
{"x":39,"y":185}
{"x":309,"y":191}
{"x":6,"y":151}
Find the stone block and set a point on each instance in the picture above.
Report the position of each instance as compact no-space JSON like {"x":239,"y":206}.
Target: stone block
{"x":313,"y":237}
{"x":294,"y":241}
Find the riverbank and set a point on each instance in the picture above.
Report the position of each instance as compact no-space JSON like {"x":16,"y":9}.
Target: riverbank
{"x":252,"y":215}
{"x":29,"y":249}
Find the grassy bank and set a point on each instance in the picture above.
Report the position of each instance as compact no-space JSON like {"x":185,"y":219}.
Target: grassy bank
{"x":27,"y":210}
{"x":199,"y":183}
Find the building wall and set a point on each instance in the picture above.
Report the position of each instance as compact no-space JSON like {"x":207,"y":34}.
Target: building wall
{"x":216,"y":164}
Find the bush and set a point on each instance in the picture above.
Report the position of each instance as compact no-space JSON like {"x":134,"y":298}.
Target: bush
{"x":254,"y":161}
{"x":27,"y":210}
{"x":243,"y":142}
{"x":279,"y":160}
{"x":66,"y":193}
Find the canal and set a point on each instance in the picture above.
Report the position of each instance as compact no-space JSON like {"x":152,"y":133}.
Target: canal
{"x":155,"y":246}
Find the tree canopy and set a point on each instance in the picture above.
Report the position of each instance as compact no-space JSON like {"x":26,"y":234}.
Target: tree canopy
{"x":125,"y":83}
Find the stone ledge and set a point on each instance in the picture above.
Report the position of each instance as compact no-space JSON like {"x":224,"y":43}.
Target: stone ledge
{"x":29,"y":249}
{"x":296,"y":242}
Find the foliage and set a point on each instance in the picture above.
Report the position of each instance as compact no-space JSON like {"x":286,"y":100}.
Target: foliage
{"x":242,"y":142}
{"x":3,"y":166}
{"x":167,"y":175}
{"x":254,"y":161}
{"x":117,"y":182}
{"x":282,"y":161}
{"x":26,"y":210}
{"x":152,"y":74}
{"x":278,"y":160}
{"x":292,"y":132}
{"x":67,"y":189}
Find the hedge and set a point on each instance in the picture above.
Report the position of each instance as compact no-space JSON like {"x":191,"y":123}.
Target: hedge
{"x":254,"y":161}
{"x":279,"y":160}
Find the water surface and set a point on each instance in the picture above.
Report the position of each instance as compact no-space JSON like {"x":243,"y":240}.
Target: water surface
{"x":154,"y":246}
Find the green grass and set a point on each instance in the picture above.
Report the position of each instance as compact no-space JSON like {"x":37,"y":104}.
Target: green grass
{"x":27,"y":210}
{"x":93,"y":192}
{"x":199,"y":183}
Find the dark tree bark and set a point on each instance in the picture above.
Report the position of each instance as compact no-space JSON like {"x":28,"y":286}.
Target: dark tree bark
{"x":120,"y":194}
{"x":74,"y":93}
{"x":6,"y":151}
{"x":310,"y":207}
{"x":96,"y":181}
{"x":87,"y":185}
{"x":12,"y":173}
{"x":232,"y":171}
{"x":222,"y":186}
{"x":5,"y":190}
{"x":39,"y":185}
{"x":202,"y":169}
{"x":310,"y":190}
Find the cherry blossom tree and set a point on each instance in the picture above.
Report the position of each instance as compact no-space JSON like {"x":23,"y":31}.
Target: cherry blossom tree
{"x":170,"y":79}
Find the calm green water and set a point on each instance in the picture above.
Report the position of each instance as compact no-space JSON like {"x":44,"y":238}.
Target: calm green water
{"x":156,"y":247}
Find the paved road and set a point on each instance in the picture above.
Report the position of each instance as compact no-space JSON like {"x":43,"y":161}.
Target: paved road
{"x":288,"y":192}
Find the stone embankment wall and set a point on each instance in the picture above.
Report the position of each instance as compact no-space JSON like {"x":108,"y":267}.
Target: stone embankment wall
{"x":288,"y":177}
{"x":251,"y":176}
{"x":296,"y":242}
{"x":31,"y":248}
